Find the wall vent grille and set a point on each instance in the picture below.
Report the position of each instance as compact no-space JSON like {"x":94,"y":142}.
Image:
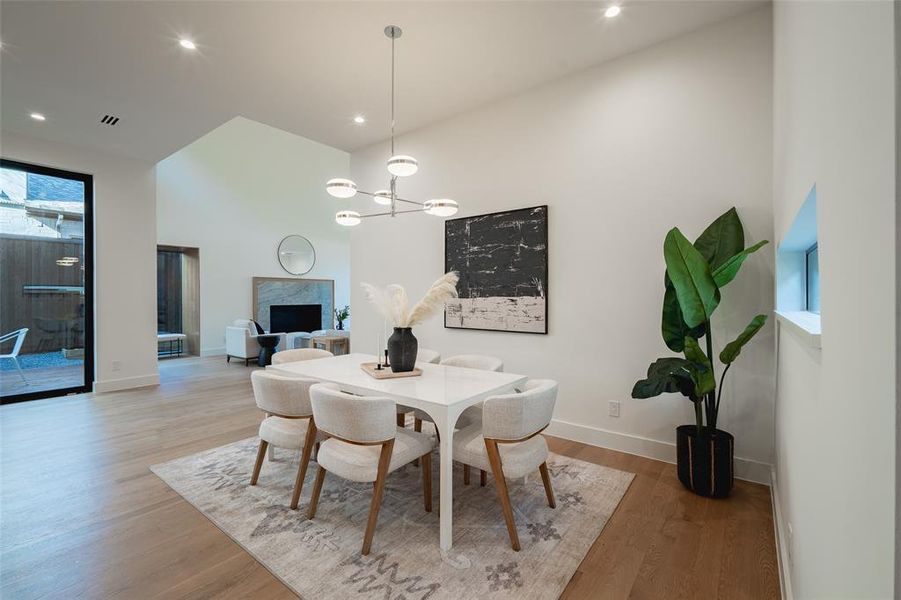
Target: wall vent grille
{"x":109,"y":120}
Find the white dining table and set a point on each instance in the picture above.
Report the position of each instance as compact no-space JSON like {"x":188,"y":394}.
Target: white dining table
{"x":443,"y":392}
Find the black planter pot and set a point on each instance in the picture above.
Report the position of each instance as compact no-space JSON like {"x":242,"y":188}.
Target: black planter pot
{"x":402,"y":349}
{"x":704,"y":462}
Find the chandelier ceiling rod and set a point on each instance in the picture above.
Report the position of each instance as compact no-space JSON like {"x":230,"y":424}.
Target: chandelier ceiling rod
{"x":394,"y":33}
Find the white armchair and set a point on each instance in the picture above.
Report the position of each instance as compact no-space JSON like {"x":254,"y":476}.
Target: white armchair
{"x":241,"y":341}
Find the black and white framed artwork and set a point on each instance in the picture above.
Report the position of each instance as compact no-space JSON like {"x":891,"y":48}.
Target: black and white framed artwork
{"x":502,"y":259}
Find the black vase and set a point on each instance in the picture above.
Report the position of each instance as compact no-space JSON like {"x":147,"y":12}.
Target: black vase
{"x":704,"y":462}
{"x":402,"y":349}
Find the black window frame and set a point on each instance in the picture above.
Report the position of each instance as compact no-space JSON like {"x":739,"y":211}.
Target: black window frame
{"x":88,"y":220}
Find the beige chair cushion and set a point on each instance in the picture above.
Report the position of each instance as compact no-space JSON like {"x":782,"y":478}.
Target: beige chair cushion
{"x":515,"y":416}
{"x":360,"y":463}
{"x":298,"y":354}
{"x":288,"y":396}
{"x":284,"y":433}
{"x":474,"y":361}
{"x":424,"y":355}
{"x":354,"y":418}
{"x":517,"y":459}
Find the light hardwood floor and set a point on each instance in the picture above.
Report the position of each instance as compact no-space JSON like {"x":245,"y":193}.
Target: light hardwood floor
{"x":81,"y":515}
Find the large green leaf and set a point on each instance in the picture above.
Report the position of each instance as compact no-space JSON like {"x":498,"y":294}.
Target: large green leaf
{"x":666,"y":375}
{"x":673,"y":325}
{"x":702,"y":374}
{"x":733,"y":348}
{"x":695,"y":289}
{"x":724,"y":238}
{"x":727,"y":271}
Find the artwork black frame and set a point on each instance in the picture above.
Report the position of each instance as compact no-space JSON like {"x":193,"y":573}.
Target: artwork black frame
{"x":449,"y":223}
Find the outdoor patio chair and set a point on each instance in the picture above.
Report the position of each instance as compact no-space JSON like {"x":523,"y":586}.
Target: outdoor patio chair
{"x":19,"y":336}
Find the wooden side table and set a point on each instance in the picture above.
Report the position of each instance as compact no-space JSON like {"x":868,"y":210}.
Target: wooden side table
{"x":332,"y":343}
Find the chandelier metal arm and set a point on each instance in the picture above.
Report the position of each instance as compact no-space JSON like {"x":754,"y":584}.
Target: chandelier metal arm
{"x":365,"y":193}
{"x":397,"y":212}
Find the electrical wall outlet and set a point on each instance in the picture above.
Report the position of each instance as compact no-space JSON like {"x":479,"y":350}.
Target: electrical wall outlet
{"x":117,"y":365}
{"x":613,"y":408}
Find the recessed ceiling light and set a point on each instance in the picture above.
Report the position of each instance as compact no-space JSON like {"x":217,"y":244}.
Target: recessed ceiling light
{"x":359,"y":119}
{"x":38,"y":117}
{"x":612,"y":11}
{"x":187,"y":44}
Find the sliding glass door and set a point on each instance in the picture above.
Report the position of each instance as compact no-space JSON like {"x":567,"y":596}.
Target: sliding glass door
{"x":46,"y":298}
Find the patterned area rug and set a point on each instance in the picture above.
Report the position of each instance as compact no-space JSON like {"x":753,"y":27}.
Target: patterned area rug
{"x":321,"y":558}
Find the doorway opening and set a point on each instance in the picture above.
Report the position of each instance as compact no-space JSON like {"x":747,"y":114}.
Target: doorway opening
{"x":177,"y":301}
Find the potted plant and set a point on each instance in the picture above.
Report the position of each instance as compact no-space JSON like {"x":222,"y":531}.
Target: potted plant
{"x":341,"y":316}
{"x":393,"y":304}
{"x":695,"y":274}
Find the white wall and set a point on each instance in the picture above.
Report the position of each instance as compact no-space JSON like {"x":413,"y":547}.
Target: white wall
{"x":235,"y":193}
{"x":124,"y":256}
{"x":671,"y":135}
{"x":835,"y":408}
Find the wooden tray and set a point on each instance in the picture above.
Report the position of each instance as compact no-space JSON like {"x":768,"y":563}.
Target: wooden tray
{"x":370,"y":370}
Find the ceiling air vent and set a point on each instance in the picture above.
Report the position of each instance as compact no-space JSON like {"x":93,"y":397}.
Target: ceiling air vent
{"x":109,"y":120}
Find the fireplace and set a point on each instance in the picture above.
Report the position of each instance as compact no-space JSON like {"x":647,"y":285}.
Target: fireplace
{"x":288,"y":318}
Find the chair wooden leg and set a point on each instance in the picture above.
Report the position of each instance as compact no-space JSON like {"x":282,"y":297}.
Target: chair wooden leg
{"x":384,"y":460}
{"x":546,"y":478}
{"x":317,"y":489}
{"x":304,"y":462}
{"x":417,"y":426}
{"x":261,"y":454}
{"x":427,"y":481}
{"x":483,"y":477}
{"x":503,"y":495}
{"x":465,"y":474}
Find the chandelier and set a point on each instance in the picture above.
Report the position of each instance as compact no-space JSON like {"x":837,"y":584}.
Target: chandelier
{"x":399,"y":165}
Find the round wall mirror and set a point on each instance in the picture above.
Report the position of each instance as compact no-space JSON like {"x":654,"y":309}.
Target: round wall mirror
{"x":296,"y":255}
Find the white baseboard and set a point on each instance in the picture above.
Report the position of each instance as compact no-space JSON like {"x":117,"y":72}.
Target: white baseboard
{"x":204,"y":352}
{"x":781,"y":528}
{"x":746,"y":469}
{"x":126,"y":383}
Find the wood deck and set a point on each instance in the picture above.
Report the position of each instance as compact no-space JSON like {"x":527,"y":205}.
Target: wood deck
{"x":40,"y":379}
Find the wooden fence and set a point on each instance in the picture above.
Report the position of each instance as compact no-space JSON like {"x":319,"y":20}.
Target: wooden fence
{"x":37,"y":293}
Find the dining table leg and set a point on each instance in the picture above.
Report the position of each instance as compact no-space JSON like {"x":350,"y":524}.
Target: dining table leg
{"x":446,"y":482}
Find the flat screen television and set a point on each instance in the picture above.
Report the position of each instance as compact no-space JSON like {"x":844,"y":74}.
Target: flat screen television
{"x":288,"y":318}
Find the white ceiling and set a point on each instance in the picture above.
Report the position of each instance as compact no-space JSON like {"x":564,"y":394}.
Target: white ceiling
{"x":305,"y":67}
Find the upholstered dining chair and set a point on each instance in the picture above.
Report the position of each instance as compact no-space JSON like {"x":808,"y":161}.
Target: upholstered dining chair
{"x":508,"y":441}
{"x":287,"y":356}
{"x":364,"y":444}
{"x":288,"y":422}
